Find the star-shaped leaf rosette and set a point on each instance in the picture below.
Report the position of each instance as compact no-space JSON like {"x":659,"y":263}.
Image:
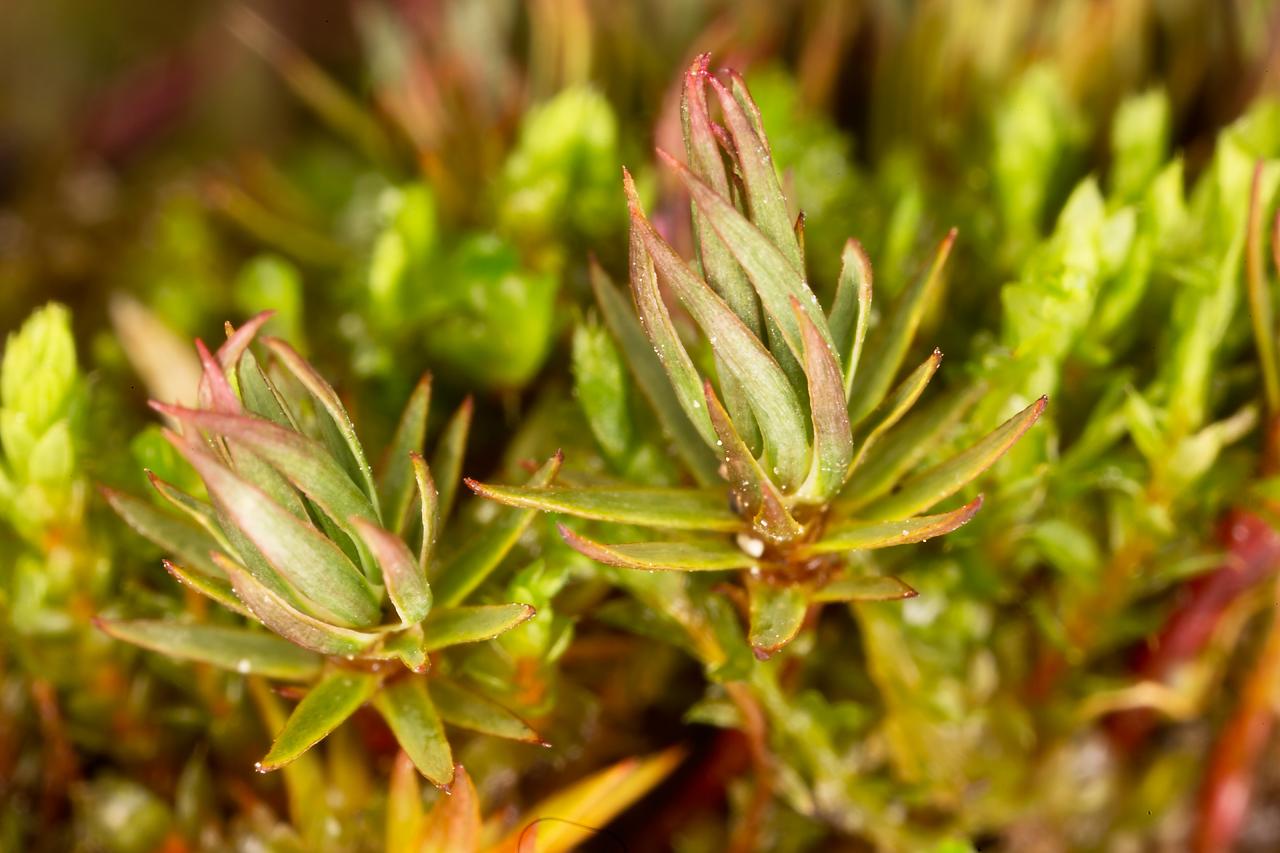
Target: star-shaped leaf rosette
{"x":298,"y":534}
{"x":811,"y":439}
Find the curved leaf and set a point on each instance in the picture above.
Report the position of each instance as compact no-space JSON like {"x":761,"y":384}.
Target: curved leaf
{"x":924,"y":490}
{"x":395,"y":475}
{"x":652,"y":378}
{"x":446,"y":462}
{"x":322,"y":710}
{"x":175,"y":536}
{"x":851,"y":311}
{"x":468,"y":710}
{"x":865,"y":535}
{"x":280,"y":616}
{"x":888,"y":344}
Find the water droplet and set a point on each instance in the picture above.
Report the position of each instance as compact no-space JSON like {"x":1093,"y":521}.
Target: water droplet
{"x":243,"y":666}
{"x":257,"y":765}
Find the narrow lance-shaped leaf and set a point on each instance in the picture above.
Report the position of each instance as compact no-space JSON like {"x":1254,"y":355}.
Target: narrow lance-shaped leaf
{"x":778,"y":412}
{"x":215,"y":390}
{"x":236,"y":649}
{"x":775,"y":613}
{"x":213,"y":588}
{"x":869,"y":588}
{"x":323,"y":392}
{"x":198,"y":511}
{"x":851,"y":311}
{"x":847,"y":536}
{"x":325,"y":707}
{"x":757,"y":497}
{"x":652,"y":378}
{"x":901,"y":449}
{"x":765,"y":202}
{"x":832,"y":438}
{"x":297,"y":552}
{"x":429,"y":505}
{"x":895,"y":406}
{"x":655,"y":319}
{"x":1261,"y":312}
{"x":173,"y":535}
{"x":775,"y":279}
{"x":238,"y":340}
{"x":452,"y":626}
{"x":718,"y":265}
{"x":924,"y":490}
{"x":260,"y":395}
{"x":468,"y":568}
{"x":468,"y":710}
{"x":660,"y":556}
{"x":671,"y":509}
{"x":272,"y":610}
{"x":395,"y":476}
{"x":888,"y":344}
{"x":446,"y":462}
{"x":302,"y":460}
{"x":408,"y":710}
{"x":405,"y":579}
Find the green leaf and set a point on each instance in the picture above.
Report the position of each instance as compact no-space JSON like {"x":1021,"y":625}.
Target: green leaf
{"x":429,"y":504}
{"x":408,"y":710}
{"x":924,"y":490}
{"x":832,"y":438}
{"x":468,"y":568}
{"x":683,"y":379}
{"x":865,"y":535}
{"x":302,"y":460}
{"x":651,"y":556}
{"x":468,"y":710}
{"x":452,"y":626}
{"x":889,"y":342}
{"x":672,"y":509}
{"x":323,"y":392}
{"x":409,"y":646}
{"x":209,"y":586}
{"x":868,"y":588}
{"x":851,"y":311}
{"x":272,"y":610}
{"x":776,"y":614}
{"x":778,"y":412}
{"x":395,"y":477}
{"x":901,"y":449}
{"x":765,"y":202}
{"x":237,"y":649}
{"x":173,"y":535}
{"x":599,"y":384}
{"x":652,"y":378}
{"x":322,"y":710}
{"x":305,"y":782}
{"x":405,"y":579}
{"x":1261,"y":310}
{"x":260,"y":395}
{"x":198,"y":511}
{"x":446,"y":462}
{"x":335,"y":588}
{"x":776,"y":279}
{"x":897,"y":404}
{"x":757,"y":497}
